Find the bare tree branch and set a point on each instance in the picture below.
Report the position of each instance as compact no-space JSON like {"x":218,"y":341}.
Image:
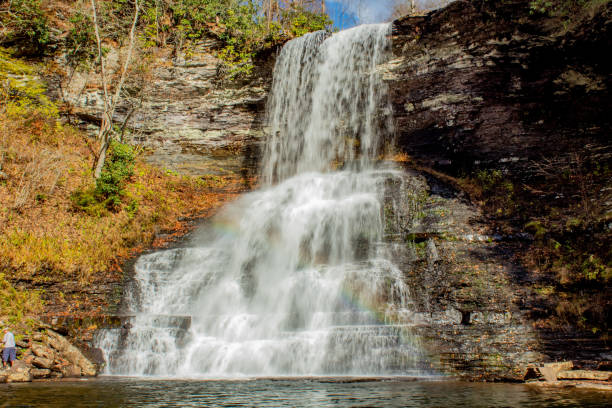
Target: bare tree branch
{"x":105,"y":133}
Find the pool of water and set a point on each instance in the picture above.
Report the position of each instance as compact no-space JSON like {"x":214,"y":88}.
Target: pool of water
{"x":310,"y":392}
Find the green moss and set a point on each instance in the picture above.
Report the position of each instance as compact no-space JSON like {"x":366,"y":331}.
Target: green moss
{"x":23,"y":91}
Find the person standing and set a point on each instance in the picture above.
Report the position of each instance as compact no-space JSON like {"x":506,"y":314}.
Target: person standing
{"x":9,"y":354}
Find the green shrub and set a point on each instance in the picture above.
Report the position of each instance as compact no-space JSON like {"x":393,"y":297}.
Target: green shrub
{"x":109,"y":188}
{"x":118,"y":168}
{"x":241,"y":27}
{"x":88,"y":202}
{"x":301,"y":21}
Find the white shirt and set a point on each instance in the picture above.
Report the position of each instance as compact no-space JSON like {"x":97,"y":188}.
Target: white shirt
{"x":9,"y":340}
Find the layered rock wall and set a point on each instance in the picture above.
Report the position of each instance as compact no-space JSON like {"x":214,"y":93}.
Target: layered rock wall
{"x":483,"y":82}
{"x":181,"y":108}
{"x":472,"y":85}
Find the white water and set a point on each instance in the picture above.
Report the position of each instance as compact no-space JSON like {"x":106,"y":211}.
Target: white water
{"x":293,"y":279}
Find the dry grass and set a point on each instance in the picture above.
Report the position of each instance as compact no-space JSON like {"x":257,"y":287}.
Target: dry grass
{"x":18,"y":308}
{"x":45,"y":238}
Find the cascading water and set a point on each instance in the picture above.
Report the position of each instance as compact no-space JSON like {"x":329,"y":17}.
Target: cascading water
{"x":293,"y":279}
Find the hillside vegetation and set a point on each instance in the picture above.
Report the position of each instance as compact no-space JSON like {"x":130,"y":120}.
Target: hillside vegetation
{"x":36,"y":27}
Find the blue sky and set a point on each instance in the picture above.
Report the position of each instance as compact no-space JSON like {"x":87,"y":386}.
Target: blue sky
{"x":348,"y":13}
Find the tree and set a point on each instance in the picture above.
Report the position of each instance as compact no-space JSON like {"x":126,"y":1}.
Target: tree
{"x":272,"y":9}
{"x":414,"y":7}
{"x":110,"y":102}
{"x":403,"y":8}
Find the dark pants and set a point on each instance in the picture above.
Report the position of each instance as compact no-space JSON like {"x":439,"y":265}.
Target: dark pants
{"x":9,"y":354}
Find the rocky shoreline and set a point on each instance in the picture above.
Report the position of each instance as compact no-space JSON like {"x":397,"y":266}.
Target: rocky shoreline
{"x":45,"y":354}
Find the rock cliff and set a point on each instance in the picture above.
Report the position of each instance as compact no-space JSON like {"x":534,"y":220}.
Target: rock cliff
{"x":488,"y":90}
{"x":44,"y":354}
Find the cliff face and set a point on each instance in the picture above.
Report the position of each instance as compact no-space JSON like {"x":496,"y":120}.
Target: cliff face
{"x":474,"y":84}
{"x":181,"y":110}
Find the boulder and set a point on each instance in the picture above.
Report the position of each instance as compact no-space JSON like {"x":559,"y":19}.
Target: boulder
{"x":71,"y":371}
{"x":38,"y":373}
{"x":37,"y":336}
{"x":97,"y":356}
{"x":550,"y":370}
{"x":41,"y":350}
{"x":585,"y":375}
{"x":55,"y":374}
{"x":22,"y":344}
{"x":42,"y":362}
{"x":71,"y":353}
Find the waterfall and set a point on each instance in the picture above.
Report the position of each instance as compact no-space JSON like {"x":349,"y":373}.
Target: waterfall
{"x":328,"y":104}
{"x":295,"y":278}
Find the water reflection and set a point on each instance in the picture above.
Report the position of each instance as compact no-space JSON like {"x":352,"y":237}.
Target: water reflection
{"x":118,"y":392}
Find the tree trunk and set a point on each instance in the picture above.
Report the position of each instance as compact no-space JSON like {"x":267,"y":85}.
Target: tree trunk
{"x":105,"y":133}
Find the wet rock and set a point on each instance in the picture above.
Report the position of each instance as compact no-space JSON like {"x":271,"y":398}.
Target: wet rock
{"x":71,"y":353}
{"x":585,"y":375}
{"x":468,"y":319}
{"x":466,"y":84}
{"x":71,"y":371}
{"x":55,"y":374}
{"x":550,"y":370}
{"x":96,"y":355}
